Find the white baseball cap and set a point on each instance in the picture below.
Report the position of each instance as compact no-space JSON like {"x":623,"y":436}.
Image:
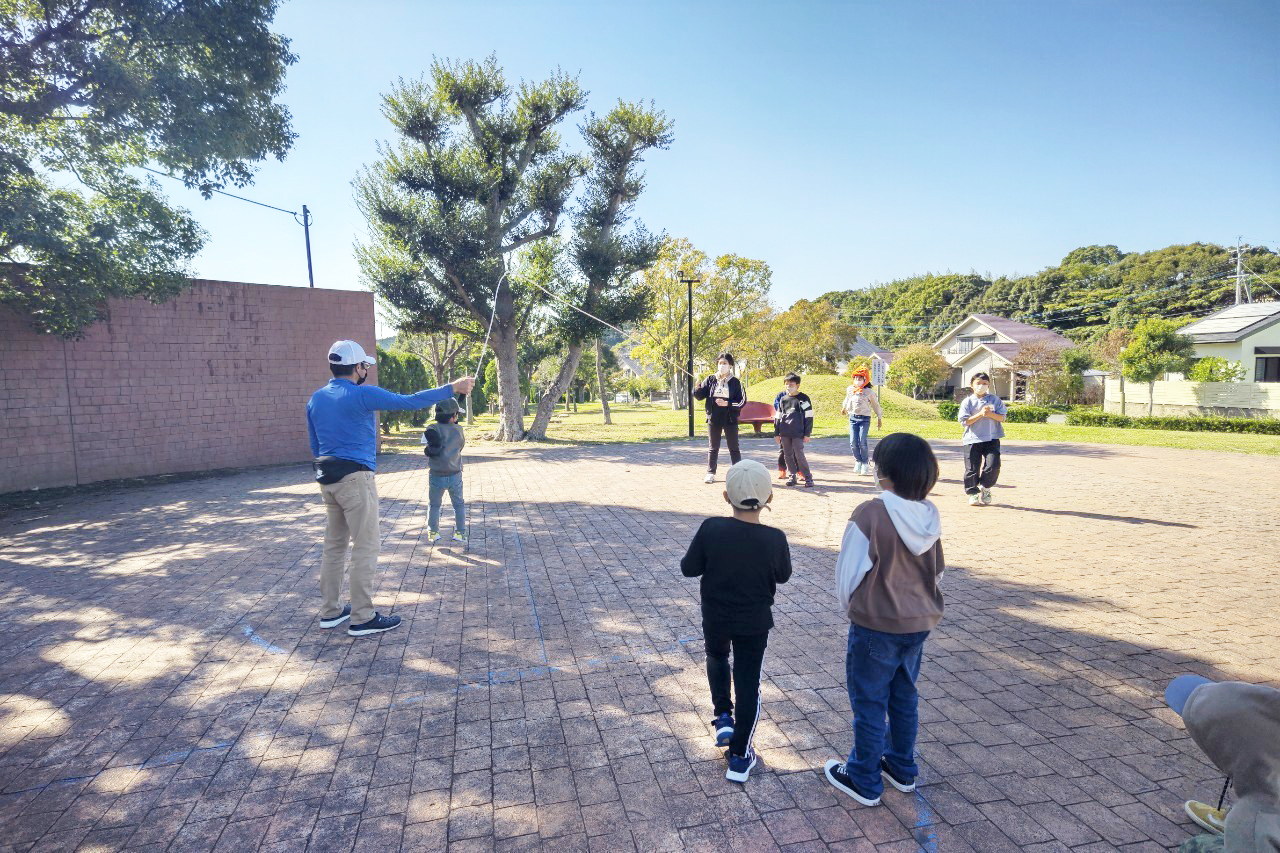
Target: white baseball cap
{"x":748,"y":485}
{"x":348,"y":352}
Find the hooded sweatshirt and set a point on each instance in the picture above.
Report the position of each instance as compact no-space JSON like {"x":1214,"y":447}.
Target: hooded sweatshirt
{"x":889,"y":565}
{"x":1238,"y":727}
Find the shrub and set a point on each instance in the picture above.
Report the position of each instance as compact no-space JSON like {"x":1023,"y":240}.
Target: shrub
{"x":949,"y":410}
{"x":1028,"y":414}
{"x":1215,"y":369}
{"x":1195,"y":423}
{"x":1098,"y":419}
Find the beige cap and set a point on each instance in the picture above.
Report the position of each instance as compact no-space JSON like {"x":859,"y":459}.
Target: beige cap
{"x":748,"y":485}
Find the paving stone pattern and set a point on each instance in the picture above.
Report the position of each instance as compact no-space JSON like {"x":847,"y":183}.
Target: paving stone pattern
{"x":164,"y":683}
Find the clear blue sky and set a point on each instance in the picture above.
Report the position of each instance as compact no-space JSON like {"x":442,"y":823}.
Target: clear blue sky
{"x":843,"y":143}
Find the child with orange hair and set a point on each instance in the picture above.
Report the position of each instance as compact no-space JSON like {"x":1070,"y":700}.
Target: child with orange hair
{"x":859,"y":402}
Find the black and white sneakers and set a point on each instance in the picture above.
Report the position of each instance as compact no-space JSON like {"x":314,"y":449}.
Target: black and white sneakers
{"x":839,"y":779}
{"x":335,"y":621}
{"x":376,"y":625}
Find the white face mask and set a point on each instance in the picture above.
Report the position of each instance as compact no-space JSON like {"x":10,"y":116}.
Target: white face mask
{"x":981,"y":390}
{"x":723,"y":369}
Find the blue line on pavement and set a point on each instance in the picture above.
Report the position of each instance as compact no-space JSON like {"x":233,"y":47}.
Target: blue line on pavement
{"x":248,"y":631}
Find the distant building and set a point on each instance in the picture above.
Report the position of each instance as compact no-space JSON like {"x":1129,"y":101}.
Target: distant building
{"x":985,"y":343}
{"x":864,"y":348}
{"x":1248,"y":333}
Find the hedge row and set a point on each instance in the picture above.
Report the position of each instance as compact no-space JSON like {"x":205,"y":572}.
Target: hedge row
{"x":1260,"y":426}
{"x":949,"y":411}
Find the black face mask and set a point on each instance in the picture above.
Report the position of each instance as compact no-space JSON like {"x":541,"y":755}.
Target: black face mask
{"x":361,"y":378}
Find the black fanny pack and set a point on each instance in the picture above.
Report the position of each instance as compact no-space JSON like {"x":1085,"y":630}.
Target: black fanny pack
{"x":331,"y":469}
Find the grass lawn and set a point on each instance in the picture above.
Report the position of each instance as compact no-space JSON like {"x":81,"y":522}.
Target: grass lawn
{"x":657,"y":422}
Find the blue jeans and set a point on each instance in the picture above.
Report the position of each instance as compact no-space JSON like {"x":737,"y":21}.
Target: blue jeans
{"x":859,"y":426}
{"x":438,"y":484}
{"x":881,"y":671}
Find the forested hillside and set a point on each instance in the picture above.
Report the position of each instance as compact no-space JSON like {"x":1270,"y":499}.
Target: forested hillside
{"x":1095,"y":288}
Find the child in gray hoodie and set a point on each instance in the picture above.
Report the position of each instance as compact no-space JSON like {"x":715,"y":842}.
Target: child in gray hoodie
{"x":444,"y":441}
{"x":887,"y":580}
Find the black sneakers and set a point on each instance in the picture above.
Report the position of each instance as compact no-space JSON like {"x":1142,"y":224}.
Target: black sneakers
{"x":337,"y":620}
{"x":376,"y":625}
{"x":906,"y":786}
{"x":839,"y":779}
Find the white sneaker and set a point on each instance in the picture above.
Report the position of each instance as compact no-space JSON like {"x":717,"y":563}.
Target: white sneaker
{"x":986,"y":496}
{"x":710,"y":478}
{"x":975,"y":499}
{"x":864,"y":468}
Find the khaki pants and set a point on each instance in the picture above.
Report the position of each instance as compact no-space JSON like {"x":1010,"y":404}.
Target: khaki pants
{"x":352,"y":506}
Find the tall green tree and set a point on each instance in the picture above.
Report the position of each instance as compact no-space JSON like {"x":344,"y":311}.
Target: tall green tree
{"x":1155,"y":348}
{"x":604,"y":258}
{"x":917,"y":369}
{"x":478,"y":172}
{"x":90,"y":89}
{"x":732,"y":289}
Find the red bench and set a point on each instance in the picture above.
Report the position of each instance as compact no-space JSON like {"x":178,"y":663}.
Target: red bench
{"x":756,"y":414}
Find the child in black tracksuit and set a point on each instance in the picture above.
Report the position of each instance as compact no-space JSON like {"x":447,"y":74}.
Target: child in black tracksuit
{"x":741,"y":562}
{"x":793,"y":424}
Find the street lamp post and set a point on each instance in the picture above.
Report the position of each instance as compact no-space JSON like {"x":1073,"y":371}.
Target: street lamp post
{"x":690,"y":281}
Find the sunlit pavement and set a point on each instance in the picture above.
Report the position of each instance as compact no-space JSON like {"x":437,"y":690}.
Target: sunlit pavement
{"x":164,"y":682}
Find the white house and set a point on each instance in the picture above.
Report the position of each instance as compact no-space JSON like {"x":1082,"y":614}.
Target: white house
{"x":985,"y":343}
{"x":1248,"y":333}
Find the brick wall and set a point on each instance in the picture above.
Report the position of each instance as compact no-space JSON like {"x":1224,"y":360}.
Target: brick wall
{"x":218,"y":377}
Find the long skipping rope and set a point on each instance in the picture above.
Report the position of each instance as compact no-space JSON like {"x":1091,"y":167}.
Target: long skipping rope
{"x":480,"y":362}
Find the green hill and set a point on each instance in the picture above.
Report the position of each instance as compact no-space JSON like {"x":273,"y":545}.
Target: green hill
{"x":1093,"y":289}
{"x":827,"y":393}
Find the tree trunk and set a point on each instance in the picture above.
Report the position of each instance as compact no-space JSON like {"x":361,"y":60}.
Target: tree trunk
{"x":604,"y":399}
{"x":510,"y":403}
{"x":1121,"y":394}
{"x":1151,"y":398}
{"x":547,"y":402}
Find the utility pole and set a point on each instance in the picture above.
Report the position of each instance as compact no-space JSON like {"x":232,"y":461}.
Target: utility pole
{"x":1242,"y":278}
{"x":306,"y":230}
{"x":690,"y":281}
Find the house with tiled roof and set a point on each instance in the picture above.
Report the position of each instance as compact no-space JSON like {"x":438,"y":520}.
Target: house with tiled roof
{"x":985,"y":343}
{"x":864,"y":348}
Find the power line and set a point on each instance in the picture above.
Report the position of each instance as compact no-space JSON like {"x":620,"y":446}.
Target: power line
{"x":305,"y":222}
{"x":293,"y":213}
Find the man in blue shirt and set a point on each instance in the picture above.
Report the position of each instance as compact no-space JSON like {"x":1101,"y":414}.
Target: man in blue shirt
{"x":342,"y":427}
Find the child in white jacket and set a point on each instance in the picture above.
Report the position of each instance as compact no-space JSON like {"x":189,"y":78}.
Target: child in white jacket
{"x":887,"y":581}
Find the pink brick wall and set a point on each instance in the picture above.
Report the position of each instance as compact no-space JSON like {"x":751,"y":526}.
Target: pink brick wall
{"x":216,"y":378}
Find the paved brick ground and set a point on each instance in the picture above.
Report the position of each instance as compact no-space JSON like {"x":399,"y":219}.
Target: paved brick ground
{"x":163,"y":683}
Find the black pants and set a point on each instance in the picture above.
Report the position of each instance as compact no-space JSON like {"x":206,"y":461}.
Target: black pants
{"x":748,"y":656}
{"x":730,"y":430}
{"x":981,"y":465}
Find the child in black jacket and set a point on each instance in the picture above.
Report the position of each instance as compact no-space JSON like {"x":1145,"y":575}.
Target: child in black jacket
{"x":741,"y":562}
{"x":793,"y":423}
{"x":725,"y":399}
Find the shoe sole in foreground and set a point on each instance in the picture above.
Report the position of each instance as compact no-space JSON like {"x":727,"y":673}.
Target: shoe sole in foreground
{"x":904,"y":787}
{"x":835,"y":783}
{"x":365,"y":632}
{"x":337,"y":620}
{"x":1216,"y":829}
{"x":741,"y":776}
